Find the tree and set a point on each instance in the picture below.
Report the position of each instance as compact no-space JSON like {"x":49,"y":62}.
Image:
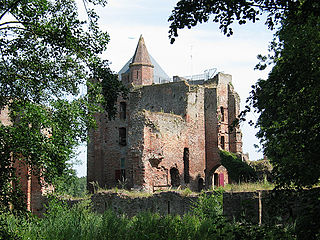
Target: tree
{"x":70,"y":185}
{"x":289,"y":103}
{"x":46,"y":54}
{"x":188,"y":13}
{"x":289,"y":100}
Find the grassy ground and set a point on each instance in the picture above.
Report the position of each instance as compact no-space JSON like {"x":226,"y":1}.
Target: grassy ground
{"x":249,"y":187}
{"x":241,"y":187}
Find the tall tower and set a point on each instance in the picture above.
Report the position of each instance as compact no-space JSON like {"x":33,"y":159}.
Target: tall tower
{"x":141,"y":68}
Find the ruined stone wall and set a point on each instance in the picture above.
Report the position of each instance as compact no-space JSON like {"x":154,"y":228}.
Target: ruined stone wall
{"x":162,"y":203}
{"x":178,"y":124}
{"x":255,"y":207}
{"x":196,"y":137}
{"x":136,"y":170}
{"x":211,"y":132}
{"x":105,"y":149}
{"x":164,"y":141}
{"x":166,"y":97}
{"x":95,"y":163}
{"x":223,"y":110}
{"x":235,"y":136}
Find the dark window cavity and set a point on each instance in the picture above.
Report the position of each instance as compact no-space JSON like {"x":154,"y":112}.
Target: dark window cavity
{"x":222,"y":114}
{"x":222,"y":142}
{"x":123,"y":136}
{"x":123,"y":110}
{"x":186,"y":164}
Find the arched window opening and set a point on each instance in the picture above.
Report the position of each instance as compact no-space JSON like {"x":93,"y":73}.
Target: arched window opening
{"x":200,"y":184}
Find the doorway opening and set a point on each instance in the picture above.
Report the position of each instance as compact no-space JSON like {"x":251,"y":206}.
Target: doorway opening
{"x":175,"y":179}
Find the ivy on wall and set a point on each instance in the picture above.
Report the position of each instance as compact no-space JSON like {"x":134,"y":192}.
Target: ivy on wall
{"x":238,"y":170}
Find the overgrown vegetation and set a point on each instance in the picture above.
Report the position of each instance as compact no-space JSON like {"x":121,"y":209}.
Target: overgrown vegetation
{"x":238,"y":170}
{"x":79,"y":222}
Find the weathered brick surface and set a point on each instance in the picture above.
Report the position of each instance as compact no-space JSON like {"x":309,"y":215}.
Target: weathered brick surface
{"x":165,"y":123}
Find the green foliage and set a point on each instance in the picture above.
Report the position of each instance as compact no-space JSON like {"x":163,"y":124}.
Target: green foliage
{"x":209,"y":205}
{"x":7,"y":232}
{"x":238,"y":170}
{"x":307,"y":224}
{"x":187,"y":191}
{"x":305,"y":219}
{"x":263,"y":169}
{"x":289,"y":102}
{"x":79,"y":222}
{"x":46,"y":55}
{"x":70,"y":185}
{"x":226,"y":12}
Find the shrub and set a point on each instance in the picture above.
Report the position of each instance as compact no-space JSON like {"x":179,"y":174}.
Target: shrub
{"x":209,"y":204}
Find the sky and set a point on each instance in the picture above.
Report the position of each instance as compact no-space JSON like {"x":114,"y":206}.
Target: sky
{"x":194,"y":51}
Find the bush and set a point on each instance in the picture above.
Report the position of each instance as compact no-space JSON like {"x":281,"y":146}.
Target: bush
{"x":209,"y":205}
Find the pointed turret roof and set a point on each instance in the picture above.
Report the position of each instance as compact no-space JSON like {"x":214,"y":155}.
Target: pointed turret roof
{"x":141,"y":55}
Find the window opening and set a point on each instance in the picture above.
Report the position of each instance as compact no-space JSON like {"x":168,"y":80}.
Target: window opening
{"x":186,"y":164}
{"x":123,"y":110}
{"x":222,"y":142}
{"x":200,"y":184}
{"x":175,"y":179}
{"x":123,"y":136}
{"x":216,"y":179}
{"x":222,"y":114}
{"x":122,"y":163}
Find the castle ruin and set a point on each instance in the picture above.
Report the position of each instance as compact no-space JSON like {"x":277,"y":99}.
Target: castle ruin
{"x":166,"y":133}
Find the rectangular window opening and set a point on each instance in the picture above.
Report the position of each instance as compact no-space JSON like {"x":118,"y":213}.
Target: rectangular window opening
{"x":186,"y":164}
{"x":123,"y":110}
{"x":123,"y":136}
{"x":222,"y":114}
{"x":222,"y":142}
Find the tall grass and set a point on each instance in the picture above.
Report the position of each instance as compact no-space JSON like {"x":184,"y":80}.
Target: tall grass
{"x":80,"y":223}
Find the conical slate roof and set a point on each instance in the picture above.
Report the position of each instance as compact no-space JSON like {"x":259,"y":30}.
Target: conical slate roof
{"x":141,"y":56}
